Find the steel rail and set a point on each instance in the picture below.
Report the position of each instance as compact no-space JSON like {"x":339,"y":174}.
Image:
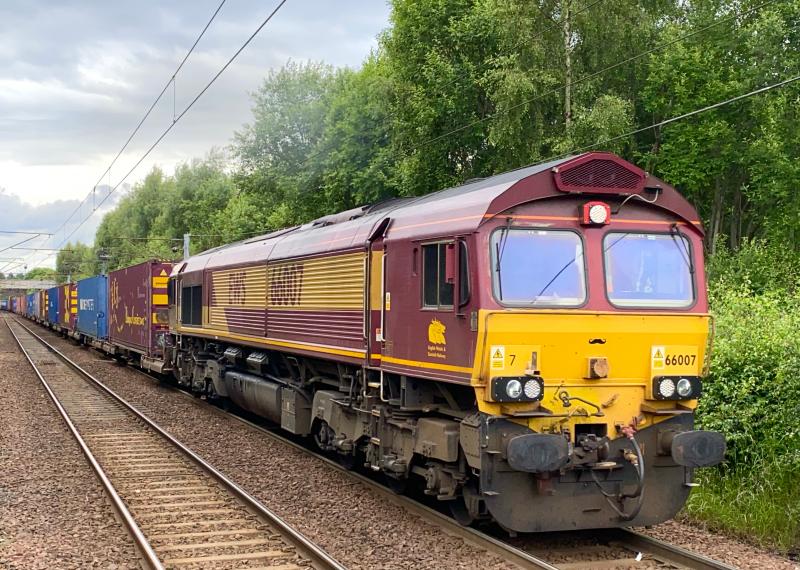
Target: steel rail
{"x":625,"y":538}
{"x":321,"y":559}
{"x":669,"y":552}
{"x":146,"y":551}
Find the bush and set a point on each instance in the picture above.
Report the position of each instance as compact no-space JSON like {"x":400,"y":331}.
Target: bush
{"x":752,"y":395}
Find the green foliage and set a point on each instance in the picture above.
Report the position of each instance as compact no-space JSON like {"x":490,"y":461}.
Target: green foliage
{"x":76,"y":261}
{"x":150,"y":221}
{"x":752,"y":396}
{"x":41,"y":273}
{"x":759,"y":502}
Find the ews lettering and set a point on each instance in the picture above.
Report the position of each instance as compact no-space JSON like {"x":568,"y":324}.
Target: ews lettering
{"x":286,"y":284}
{"x":237,"y":288}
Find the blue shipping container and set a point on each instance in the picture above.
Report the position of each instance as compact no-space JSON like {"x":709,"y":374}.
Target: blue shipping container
{"x":30,"y":307}
{"x":53,"y":305}
{"x":93,"y":306}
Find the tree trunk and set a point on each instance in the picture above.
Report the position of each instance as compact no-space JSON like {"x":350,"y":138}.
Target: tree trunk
{"x":736,"y":219}
{"x":566,"y":7}
{"x":716,"y":217}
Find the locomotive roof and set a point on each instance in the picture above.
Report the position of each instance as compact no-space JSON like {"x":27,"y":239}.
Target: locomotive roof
{"x":453,"y":211}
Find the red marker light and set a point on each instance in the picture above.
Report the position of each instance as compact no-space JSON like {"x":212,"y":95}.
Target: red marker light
{"x":596,"y":214}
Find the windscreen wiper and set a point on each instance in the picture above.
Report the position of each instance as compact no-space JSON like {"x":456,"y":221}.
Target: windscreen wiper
{"x":500,"y":247}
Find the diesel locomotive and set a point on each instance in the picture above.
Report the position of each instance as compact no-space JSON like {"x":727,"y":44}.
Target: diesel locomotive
{"x":528,"y":348}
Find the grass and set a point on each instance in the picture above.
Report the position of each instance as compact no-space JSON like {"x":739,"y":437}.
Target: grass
{"x":760,"y":504}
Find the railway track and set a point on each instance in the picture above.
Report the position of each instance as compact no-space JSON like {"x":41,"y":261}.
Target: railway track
{"x":179,"y":510}
{"x":602,"y":550}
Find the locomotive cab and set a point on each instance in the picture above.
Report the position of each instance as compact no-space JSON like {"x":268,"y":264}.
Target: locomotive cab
{"x":576,"y":309}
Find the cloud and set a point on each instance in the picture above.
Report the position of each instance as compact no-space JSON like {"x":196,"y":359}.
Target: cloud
{"x":77,"y":76}
{"x":48,"y":226}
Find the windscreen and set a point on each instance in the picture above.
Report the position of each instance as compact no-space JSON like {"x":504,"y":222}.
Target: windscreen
{"x":534,"y":267}
{"x":648,"y":270}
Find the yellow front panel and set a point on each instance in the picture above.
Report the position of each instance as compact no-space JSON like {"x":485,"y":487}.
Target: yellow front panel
{"x":334,"y":282}
{"x":559,"y":345}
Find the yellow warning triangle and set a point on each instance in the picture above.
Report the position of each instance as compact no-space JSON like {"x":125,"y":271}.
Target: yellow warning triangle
{"x":658,"y":354}
{"x":163,"y":272}
{"x":497,"y":354}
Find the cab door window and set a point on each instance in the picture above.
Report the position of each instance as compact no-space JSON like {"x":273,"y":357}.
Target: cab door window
{"x":437,"y":293}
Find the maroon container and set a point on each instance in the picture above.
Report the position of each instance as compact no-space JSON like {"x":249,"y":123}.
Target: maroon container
{"x":138,"y":307}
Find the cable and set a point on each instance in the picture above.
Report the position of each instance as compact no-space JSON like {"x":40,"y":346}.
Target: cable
{"x":680,"y":117}
{"x":592,"y":75}
{"x":147,"y":114}
{"x":182,"y":113}
{"x":177,"y":118}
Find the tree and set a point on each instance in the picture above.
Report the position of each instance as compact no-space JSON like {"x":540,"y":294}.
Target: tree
{"x":76,"y":261}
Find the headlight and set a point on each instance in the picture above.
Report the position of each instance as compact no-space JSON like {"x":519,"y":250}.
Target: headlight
{"x":676,"y":387}
{"x":684,"y":387}
{"x":533,"y":390}
{"x":517,"y":389}
{"x":666,"y":387}
{"x":513,"y":389}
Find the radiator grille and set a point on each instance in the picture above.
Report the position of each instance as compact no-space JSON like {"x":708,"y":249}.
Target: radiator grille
{"x":599,"y":175}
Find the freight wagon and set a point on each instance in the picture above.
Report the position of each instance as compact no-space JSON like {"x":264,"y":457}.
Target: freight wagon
{"x":30,"y":305}
{"x":138,"y":313}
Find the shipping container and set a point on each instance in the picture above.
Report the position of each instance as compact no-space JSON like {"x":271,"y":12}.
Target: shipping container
{"x":68,"y":306}
{"x":53,"y":304}
{"x":138,"y":308}
{"x":30,"y":305}
{"x":93,"y":306}
{"x":41,"y":309}
{"x":3,"y":304}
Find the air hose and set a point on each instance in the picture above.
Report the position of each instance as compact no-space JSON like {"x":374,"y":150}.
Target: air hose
{"x":613,"y":499}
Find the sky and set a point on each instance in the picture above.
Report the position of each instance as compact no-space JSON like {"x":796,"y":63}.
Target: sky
{"x":77,"y":76}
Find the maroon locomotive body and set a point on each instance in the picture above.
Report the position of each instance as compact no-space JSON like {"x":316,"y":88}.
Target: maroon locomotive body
{"x":512,"y":342}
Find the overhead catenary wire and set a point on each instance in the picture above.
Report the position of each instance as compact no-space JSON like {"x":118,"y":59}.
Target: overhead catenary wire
{"x":175,"y":121}
{"x":182,"y":113}
{"x":146,"y":115}
{"x":658,"y":124}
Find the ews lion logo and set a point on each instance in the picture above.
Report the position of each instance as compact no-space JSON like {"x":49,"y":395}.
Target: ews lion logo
{"x":436,"y":332}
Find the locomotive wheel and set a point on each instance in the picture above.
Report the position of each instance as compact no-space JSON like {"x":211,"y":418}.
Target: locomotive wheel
{"x":396,"y":486}
{"x":347,"y":460}
{"x":460,"y":512}
{"x":322,"y":436}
